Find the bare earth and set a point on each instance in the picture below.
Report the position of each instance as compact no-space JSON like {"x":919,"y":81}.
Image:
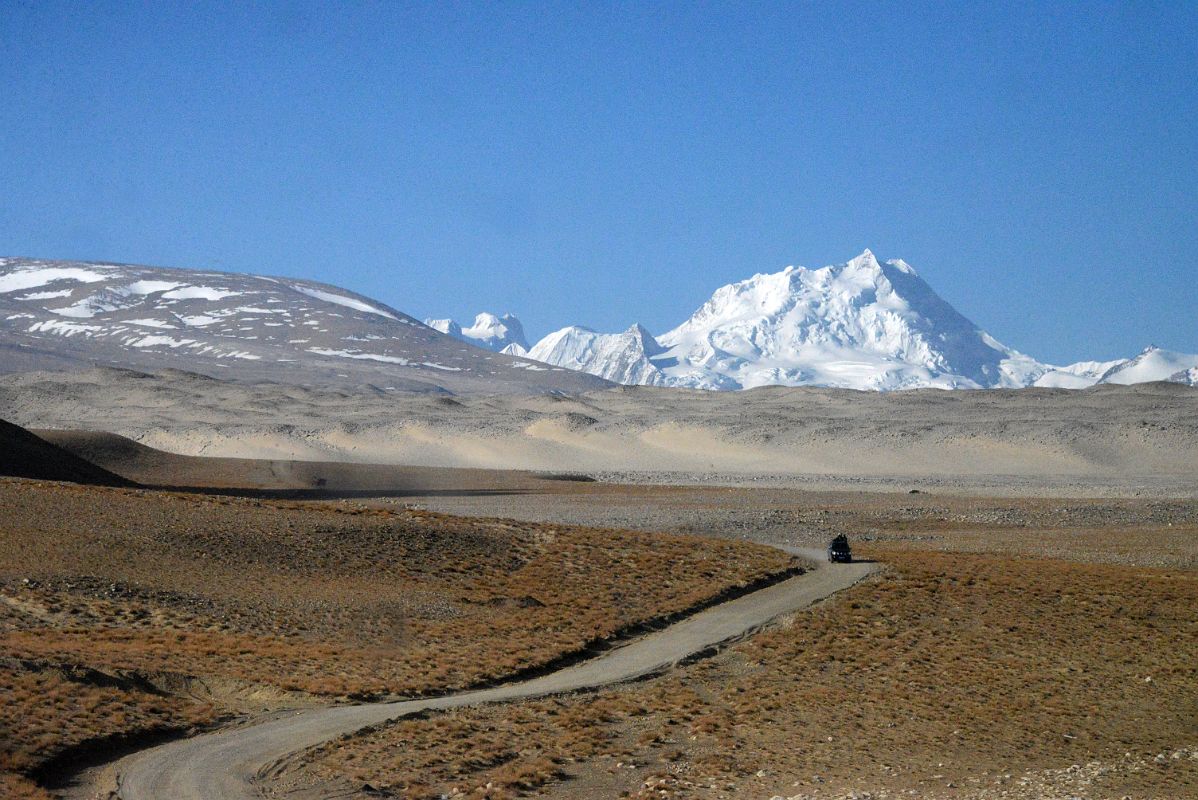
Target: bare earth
{"x":1108,"y":441}
{"x":1032,"y":632}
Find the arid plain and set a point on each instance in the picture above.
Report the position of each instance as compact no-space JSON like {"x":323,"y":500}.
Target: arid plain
{"x":1026,"y":633}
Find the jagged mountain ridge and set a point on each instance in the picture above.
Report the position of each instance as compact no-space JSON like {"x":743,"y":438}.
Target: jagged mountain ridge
{"x":1153,"y":364}
{"x":863,"y":324}
{"x":499,"y":334}
{"x":58,"y":314}
{"x":627,"y":357}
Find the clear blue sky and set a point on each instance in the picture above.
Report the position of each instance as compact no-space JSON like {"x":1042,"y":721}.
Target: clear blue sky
{"x":603,"y":164}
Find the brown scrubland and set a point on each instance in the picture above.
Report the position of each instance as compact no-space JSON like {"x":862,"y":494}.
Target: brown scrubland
{"x":1012,"y":647}
{"x":128,"y":614}
{"x":1009,"y":649}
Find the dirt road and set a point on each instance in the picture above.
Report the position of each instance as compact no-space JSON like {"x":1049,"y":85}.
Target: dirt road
{"x":226,"y":764}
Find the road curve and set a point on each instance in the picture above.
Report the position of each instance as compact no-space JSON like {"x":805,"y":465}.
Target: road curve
{"x":224,"y":764}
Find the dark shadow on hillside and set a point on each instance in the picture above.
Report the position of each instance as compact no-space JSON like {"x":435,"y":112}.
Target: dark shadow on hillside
{"x":330,"y":494}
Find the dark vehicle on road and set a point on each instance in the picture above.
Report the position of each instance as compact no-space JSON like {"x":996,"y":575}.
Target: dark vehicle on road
{"x":839,"y":551}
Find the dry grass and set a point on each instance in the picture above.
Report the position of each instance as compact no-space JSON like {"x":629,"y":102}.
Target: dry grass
{"x":948,"y":669}
{"x":48,"y":711}
{"x":328,"y":599}
{"x":14,"y":786}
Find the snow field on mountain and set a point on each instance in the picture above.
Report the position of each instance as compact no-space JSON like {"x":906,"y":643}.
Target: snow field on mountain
{"x":863,"y":324}
{"x":342,"y":300}
{"x":56,"y":313}
{"x":501,"y":334}
{"x":1154,"y":364}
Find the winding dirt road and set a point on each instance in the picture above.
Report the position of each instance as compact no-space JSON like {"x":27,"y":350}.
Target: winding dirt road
{"x":226,"y":764}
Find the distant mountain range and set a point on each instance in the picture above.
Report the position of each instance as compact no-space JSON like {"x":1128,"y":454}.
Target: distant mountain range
{"x":863,"y":324}
{"x":58,"y":314}
{"x":500,"y":334}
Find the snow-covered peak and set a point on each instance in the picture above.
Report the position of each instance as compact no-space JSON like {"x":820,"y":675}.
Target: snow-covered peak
{"x":641,"y":336}
{"x":1153,"y":364}
{"x":859,"y":324}
{"x":516,"y":350}
{"x":867,"y":258}
{"x":488,"y":331}
{"x":623,"y":357}
{"x":446,"y":326}
{"x":496,"y":333}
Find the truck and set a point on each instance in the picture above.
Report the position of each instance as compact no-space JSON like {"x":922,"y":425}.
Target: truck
{"x":839,"y":551}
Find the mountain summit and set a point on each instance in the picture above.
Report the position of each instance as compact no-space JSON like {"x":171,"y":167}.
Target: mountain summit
{"x":502,"y":334}
{"x":863,"y":324}
{"x":626,"y":357}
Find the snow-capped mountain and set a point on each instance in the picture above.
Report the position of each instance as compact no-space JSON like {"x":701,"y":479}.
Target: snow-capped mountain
{"x":1189,"y":377}
{"x":863,"y":324}
{"x":1154,"y":364}
{"x":1077,"y":376}
{"x":62,"y":314}
{"x":620,"y":357}
{"x":502,"y":334}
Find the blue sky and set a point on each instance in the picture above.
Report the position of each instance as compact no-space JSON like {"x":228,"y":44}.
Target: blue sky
{"x":608,"y":163}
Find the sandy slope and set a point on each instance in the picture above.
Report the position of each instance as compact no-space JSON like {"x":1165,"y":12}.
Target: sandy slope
{"x":225,"y":764}
{"x":1125,"y":439}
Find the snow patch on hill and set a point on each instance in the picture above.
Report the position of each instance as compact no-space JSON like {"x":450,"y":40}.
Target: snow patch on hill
{"x":329,"y":297}
{"x":18,"y":276}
